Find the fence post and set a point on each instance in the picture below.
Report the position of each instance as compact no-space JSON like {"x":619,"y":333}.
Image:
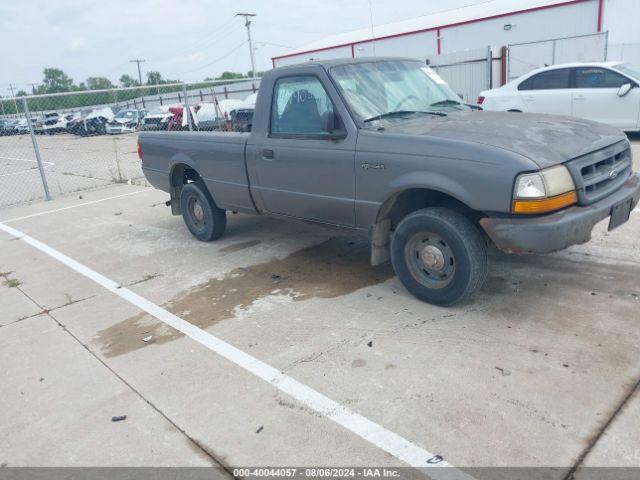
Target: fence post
{"x":186,"y":106}
{"x":490,"y":67}
{"x":27,"y":114}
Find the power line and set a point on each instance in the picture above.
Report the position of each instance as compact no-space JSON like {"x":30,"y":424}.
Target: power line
{"x":203,"y":41}
{"x":214,"y":61}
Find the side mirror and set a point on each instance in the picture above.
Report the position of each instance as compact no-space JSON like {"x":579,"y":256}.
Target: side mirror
{"x":332,"y":125}
{"x":624,"y":89}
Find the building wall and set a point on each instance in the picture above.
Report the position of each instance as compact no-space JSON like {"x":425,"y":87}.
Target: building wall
{"x":339,"y":52}
{"x":621,"y":20}
{"x":555,"y":22}
{"x":417,"y":45}
{"x":564,"y":21}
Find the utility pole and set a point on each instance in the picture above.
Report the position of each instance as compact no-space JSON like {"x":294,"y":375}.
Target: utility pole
{"x":247,"y":23}
{"x":138,"y":61}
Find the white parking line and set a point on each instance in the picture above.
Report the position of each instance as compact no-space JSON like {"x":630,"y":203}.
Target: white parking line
{"x":46,"y":212}
{"x":366,"y":429}
{"x":26,"y":160}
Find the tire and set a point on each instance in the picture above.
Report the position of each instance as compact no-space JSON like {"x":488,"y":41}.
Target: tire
{"x":200,"y":213}
{"x":439,"y":255}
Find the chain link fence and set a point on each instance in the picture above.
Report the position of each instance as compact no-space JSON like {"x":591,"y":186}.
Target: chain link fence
{"x":53,"y":145}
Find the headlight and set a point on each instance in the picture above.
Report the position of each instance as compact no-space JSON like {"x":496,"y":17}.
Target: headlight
{"x":530,"y":186}
{"x":544,"y":191}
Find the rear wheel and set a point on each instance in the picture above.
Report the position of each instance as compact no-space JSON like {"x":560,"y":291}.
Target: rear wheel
{"x":202,"y":216}
{"x":439,"y":255}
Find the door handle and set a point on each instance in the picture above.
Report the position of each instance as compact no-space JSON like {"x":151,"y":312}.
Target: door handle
{"x":578,"y":97}
{"x":267,"y":154}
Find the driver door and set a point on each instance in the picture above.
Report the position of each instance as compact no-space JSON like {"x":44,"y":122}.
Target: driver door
{"x":299,"y":172}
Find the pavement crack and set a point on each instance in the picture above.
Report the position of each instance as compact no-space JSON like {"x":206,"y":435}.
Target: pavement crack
{"x":196,"y":444}
{"x":600,"y":432}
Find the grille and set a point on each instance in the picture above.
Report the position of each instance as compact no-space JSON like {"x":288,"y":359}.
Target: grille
{"x":600,"y":173}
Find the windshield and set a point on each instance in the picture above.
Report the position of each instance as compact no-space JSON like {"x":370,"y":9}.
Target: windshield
{"x":127,"y":114}
{"x":629,"y":69}
{"x":376,"y":88}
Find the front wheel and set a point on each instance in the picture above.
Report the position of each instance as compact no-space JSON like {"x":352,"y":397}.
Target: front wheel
{"x":202,"y":216}
{"x":439,"y":255}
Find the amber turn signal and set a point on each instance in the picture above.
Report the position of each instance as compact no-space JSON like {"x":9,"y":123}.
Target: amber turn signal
{"x":545,"y":205}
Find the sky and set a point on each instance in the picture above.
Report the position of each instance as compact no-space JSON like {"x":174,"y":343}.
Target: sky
{"x":185,"y":40}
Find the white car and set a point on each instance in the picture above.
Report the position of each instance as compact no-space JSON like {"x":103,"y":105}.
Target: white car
{"x":212,"y":117}
{"x":158,"y":118}
{"x":125,"y":121}
{"x":605,"y":92}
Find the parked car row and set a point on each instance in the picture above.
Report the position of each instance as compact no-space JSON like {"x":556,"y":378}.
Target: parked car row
{"x":606,"y":92}
{"x":226,"y":114}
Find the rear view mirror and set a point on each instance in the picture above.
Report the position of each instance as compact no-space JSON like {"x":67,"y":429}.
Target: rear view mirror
{"x":624,"y":89}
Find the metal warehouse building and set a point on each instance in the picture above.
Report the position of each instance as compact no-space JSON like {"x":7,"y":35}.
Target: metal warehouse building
{"x":556,"y":31}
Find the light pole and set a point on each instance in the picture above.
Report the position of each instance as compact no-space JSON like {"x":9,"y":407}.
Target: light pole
{"x":247,"y":23}
{"x":139,"y":61}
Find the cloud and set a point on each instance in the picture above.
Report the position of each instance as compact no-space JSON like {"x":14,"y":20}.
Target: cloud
{"x":77,"y":45}
{"x":192,"y":58}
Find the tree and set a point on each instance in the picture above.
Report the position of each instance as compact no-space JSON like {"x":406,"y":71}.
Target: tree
{"x":21,"y":93}
{"x":128,"y":81}
{"x":99,"y":83}
{"x":229,"y":76}
{"x":154,"y":78}
{"x":54,"y":81}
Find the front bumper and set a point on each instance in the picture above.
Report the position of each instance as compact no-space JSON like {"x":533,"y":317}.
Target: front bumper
{"x":557,"y":231}
{"x":114,"y":129}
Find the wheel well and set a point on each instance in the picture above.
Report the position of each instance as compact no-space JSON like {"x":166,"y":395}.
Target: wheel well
{"x":402,"y":204}
{"x":180,"y":176}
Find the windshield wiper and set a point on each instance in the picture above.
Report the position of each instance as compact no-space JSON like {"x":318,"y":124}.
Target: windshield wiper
{"x":446,"y":102}
{"x":398,"y":113}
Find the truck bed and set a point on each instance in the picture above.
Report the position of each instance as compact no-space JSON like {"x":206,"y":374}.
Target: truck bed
{"x":219,"y":157}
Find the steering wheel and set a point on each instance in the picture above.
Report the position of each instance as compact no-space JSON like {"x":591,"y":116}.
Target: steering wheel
{"x":408,"y":97}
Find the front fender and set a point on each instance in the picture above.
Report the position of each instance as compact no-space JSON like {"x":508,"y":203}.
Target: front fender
{"x":431,"y":181}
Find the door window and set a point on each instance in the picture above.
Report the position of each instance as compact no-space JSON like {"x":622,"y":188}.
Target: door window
{"x":298,"y":106}
{"x":595,"y":77}
{"x":549,"y":80}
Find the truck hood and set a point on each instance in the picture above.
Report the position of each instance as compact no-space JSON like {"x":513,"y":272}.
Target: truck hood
{"x":547,"y":140}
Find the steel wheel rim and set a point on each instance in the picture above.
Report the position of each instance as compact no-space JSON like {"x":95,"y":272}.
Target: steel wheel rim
{"x":196,"y":211}
{"x":430,"y":260}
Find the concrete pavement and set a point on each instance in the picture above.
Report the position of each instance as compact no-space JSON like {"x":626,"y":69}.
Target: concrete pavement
{"x":528,"y":373}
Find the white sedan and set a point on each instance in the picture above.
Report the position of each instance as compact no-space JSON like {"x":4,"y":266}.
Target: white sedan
{"x":606,"y":92}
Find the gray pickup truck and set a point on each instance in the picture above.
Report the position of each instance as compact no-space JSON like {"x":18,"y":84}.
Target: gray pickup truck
{"x":384,"y":146}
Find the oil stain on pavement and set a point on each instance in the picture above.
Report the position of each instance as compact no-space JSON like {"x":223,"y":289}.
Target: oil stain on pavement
{"x":336,"y":267}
